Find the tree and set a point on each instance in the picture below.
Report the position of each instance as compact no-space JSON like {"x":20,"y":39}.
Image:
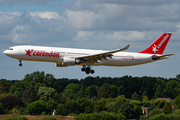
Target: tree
{"x":159,"y":92}
{"x":3,"y":86}
{"x":71,"y":91}
{"x":178,"y":101}
{"x":1,"y":109}
{"x":100,"y":105}
{"x":106,"y":92}
{"x":47,"y":93}
{"x":178,"y":77}
{"x":145,"y":98}
{"x":11,"y":101}
{"x":85,"y":105}
{"x":172,"y":89}
{"x":29,"y":95}
{"x":92,"y":91}
{"x":167,"y":108}
{"x":151,"y":106}
{"x":123,"y":105}
{"x":127,"y":109}
{"x":135,"y":96}
{"x":160,"y":103}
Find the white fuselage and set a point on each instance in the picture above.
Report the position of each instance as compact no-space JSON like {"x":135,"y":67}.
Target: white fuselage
{"x":55,"y":54}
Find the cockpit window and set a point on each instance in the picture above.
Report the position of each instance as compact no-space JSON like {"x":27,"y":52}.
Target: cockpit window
{"x":10,"y":48}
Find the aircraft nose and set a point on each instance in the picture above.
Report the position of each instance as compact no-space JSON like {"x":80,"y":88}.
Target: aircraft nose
{"x":5,"y":52}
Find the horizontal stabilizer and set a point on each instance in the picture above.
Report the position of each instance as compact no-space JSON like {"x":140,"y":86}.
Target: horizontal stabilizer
{"x":155,"y":57}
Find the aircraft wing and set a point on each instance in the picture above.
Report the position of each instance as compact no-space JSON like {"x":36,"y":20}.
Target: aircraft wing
{"x":94,"y":58}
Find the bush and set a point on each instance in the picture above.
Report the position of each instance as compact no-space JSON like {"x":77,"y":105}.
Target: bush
{"x":17,"y":118}
{"x":49,"y":118}
{"x":100,"y":116}
{"x":72,"y":114}
{"x":144,"y":117}
{"x":100,"y":105}
{"x":1,"y":109}
{"x":21,"y":109}
{"x":176,"y":112}
{"x":50,"y":106}
{"x":62,"y":110}
{"x":163,"y":116}
{"x":155,"y":111}
{"x":151,"y":107}
{"x":67,"y":108}
{"x":37,"y":107}
{"x":43,"y":113}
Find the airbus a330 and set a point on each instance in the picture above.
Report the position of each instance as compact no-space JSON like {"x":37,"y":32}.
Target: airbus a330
{"x":63,"y":57}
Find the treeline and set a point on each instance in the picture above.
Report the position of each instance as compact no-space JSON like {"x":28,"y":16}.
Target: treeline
{"x":40,"y":93}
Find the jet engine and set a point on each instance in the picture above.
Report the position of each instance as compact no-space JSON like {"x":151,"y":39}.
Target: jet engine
{"x":68,"y":61}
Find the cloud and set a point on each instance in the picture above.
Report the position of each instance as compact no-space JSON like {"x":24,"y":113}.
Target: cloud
{"x":35,"y":2}
{"x":90,"y":24}
{"x":29,"y":27}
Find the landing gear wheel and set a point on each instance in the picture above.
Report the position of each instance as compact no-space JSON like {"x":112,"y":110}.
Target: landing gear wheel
{"x":87,"y":71}
{"x":92,"y":71}
{"x":20,"y":64}
{"x":83,"y":69}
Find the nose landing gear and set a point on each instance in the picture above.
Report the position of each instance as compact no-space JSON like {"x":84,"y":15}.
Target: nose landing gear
{"x":20,"y":64}
{"x":87,"y":70}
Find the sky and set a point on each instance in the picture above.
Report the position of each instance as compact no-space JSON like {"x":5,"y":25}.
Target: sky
{"x":89,"y":24}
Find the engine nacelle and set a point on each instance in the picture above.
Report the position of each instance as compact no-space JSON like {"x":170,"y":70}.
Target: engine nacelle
{"x":68,"y":61}
{"x":60,"y":65}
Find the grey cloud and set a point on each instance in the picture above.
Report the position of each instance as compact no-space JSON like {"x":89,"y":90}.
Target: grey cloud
{"x":124,"y":17}
{"x":104,"y":22}
{"x":34,"y":2}
{"x":137,"y":2}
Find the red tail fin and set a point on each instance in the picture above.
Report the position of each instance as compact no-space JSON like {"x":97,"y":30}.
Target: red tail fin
{"x":159,"y":45}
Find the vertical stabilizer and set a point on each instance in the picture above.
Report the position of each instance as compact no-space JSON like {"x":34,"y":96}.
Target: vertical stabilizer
{"x":159,"y":45}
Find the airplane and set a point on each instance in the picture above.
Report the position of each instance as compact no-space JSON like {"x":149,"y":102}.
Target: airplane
{"x":63,"y":57}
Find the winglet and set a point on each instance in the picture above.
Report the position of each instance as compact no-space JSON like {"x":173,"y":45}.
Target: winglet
{"x":126,"y":47}
{"x":159,"y":45}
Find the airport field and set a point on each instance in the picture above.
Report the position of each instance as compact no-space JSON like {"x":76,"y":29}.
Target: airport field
{"x":31,"y":117}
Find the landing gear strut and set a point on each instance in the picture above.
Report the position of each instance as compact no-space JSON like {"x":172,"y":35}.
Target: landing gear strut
{"x":87,"y":69}
{"x":20,"y":64}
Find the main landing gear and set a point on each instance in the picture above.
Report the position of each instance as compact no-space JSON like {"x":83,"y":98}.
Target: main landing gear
{"x":87,"y":70}
{"x":20,"y":63}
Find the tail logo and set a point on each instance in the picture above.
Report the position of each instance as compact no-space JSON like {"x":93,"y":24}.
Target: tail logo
{"x":156,"y":48}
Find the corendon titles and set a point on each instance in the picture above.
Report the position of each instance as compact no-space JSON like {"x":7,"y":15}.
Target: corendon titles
{"x":45,"y":54}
